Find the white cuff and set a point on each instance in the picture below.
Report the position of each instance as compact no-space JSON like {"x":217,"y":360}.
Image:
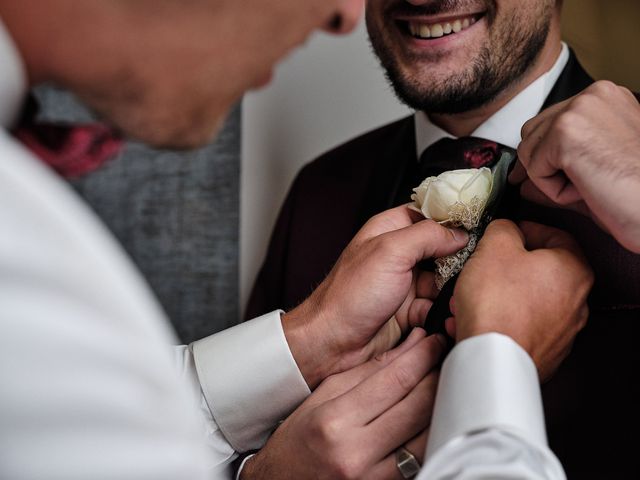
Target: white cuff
{"x":487,"y":381}
{"x":249,"y":379}
{"x":244,"y":462}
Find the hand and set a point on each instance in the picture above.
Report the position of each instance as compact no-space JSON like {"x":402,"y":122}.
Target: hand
{"x":584,"y":154}
{"x":371,"y":296}
{"x":531,"y":285}
{"x":352,"y":424}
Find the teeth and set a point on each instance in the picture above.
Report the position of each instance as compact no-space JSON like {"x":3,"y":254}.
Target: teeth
{"x":438,"y":30}
{"x":425,"y":32}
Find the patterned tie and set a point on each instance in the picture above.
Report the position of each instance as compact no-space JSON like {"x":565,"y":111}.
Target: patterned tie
{"x":453,"y":154}
{"x":72,"y":151}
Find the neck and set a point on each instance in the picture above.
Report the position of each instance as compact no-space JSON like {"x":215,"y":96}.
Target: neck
{"x":463,"y":124}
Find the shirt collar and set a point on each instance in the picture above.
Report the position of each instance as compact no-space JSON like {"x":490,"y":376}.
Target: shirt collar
{"x":13,"y":79}
{"x":503,"y":126}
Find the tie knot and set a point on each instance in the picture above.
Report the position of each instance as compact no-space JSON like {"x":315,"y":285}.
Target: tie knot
{"x":454,"y":154}
{"x":71,"y":150}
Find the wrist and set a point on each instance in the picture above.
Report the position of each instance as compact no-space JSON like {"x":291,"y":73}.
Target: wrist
{"x":310,"y":345}
{"x":246,"y":469}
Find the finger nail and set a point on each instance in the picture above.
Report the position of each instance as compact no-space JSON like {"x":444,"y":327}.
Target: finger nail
{"x":460,"y":235}
{"x":416,"y":333}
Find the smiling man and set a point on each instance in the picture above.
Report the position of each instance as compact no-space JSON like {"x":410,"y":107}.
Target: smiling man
{"x":463,"y":56}
{"x":478,"y":68}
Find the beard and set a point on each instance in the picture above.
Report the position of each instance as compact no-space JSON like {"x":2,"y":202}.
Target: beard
{"x":500,"y":63}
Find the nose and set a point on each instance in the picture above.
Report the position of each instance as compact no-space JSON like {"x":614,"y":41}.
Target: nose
{"x":346,"y":17}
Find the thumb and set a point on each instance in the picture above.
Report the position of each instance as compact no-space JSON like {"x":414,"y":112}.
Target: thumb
{"x":541,"y":236}
{"x":502,"y":235}
{"x":428,"y":239}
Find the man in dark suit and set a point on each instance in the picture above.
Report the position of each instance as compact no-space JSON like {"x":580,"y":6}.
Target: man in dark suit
{"x":482,"y":69}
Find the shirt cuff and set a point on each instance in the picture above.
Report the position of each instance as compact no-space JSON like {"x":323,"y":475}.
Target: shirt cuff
{"x":487,"y":381}
{"x":244,"y":462}
{"x":249,"y":379}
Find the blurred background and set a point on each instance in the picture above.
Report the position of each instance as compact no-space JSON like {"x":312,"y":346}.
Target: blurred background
{"x":606,"y":38}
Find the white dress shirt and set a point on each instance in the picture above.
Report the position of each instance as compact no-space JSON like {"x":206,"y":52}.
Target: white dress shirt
{"x":88,"y":381}
{"x":503,"y":126}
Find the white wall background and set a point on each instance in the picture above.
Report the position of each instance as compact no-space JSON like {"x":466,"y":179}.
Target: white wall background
{"x":327,"y":92}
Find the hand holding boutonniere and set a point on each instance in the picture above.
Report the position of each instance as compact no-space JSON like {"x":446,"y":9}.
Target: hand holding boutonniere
{"x":466,"y":199}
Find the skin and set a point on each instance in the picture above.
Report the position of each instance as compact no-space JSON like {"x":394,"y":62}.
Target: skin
{"x":395,"y":402}
{"x":535,"y":262}
{"x":373,"y":281}
{"x":135,"y":60}
{"x":583,"y":154}
{"x":491,"y":61}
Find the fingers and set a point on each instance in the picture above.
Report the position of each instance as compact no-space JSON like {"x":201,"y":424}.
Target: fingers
{"x":537,"y":157}
{"x":418,"y":311}
{"x":450,"y":326}
{"x":501,"y":235}
{"x":570,"y":195}
{"x":533,"y":133}
{"x":426,"y":239}
{"x":385,"y":388}
{"x":405,"y":419}
{"x":341,"y":383}
{"x":541,"y":236}
{"x":388,"y":468}
{"x":426,"y":285}
{"x":426,"y":293}
{"x":388,"y":221}
{"x":532,"y":125}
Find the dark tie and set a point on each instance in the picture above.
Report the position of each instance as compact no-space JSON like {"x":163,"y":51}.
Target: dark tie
{"x":71,"y":150}
{"x":454,"y":154}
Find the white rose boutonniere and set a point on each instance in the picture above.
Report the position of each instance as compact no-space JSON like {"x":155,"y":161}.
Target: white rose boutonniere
{"x":459,"y":198}
{"x":456,"y":198}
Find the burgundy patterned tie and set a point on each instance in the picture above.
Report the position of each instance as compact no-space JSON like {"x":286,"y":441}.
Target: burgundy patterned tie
{"x":453,"y":154}
{"x":71,"y":150}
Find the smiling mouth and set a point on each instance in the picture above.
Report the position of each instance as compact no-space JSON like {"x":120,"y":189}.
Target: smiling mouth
{"x":424,"y":30}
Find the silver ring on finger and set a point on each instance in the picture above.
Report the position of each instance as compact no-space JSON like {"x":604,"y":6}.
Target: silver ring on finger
{"x":407,"y":463}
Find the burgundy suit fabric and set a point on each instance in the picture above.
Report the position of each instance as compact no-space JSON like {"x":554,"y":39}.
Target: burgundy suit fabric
{"x":592,"y":398}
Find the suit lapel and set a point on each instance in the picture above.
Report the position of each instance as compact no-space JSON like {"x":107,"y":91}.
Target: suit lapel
{"x":390,"y":169}
{"x":571,"y":81}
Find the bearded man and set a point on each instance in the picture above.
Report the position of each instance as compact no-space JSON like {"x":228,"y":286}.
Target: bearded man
{"x":481,"y":68}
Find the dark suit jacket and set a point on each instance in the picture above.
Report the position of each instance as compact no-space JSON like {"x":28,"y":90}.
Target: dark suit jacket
{"x":590,"y":398}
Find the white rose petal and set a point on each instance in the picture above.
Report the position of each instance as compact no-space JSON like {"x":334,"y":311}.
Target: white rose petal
{"x":435,"y":197}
